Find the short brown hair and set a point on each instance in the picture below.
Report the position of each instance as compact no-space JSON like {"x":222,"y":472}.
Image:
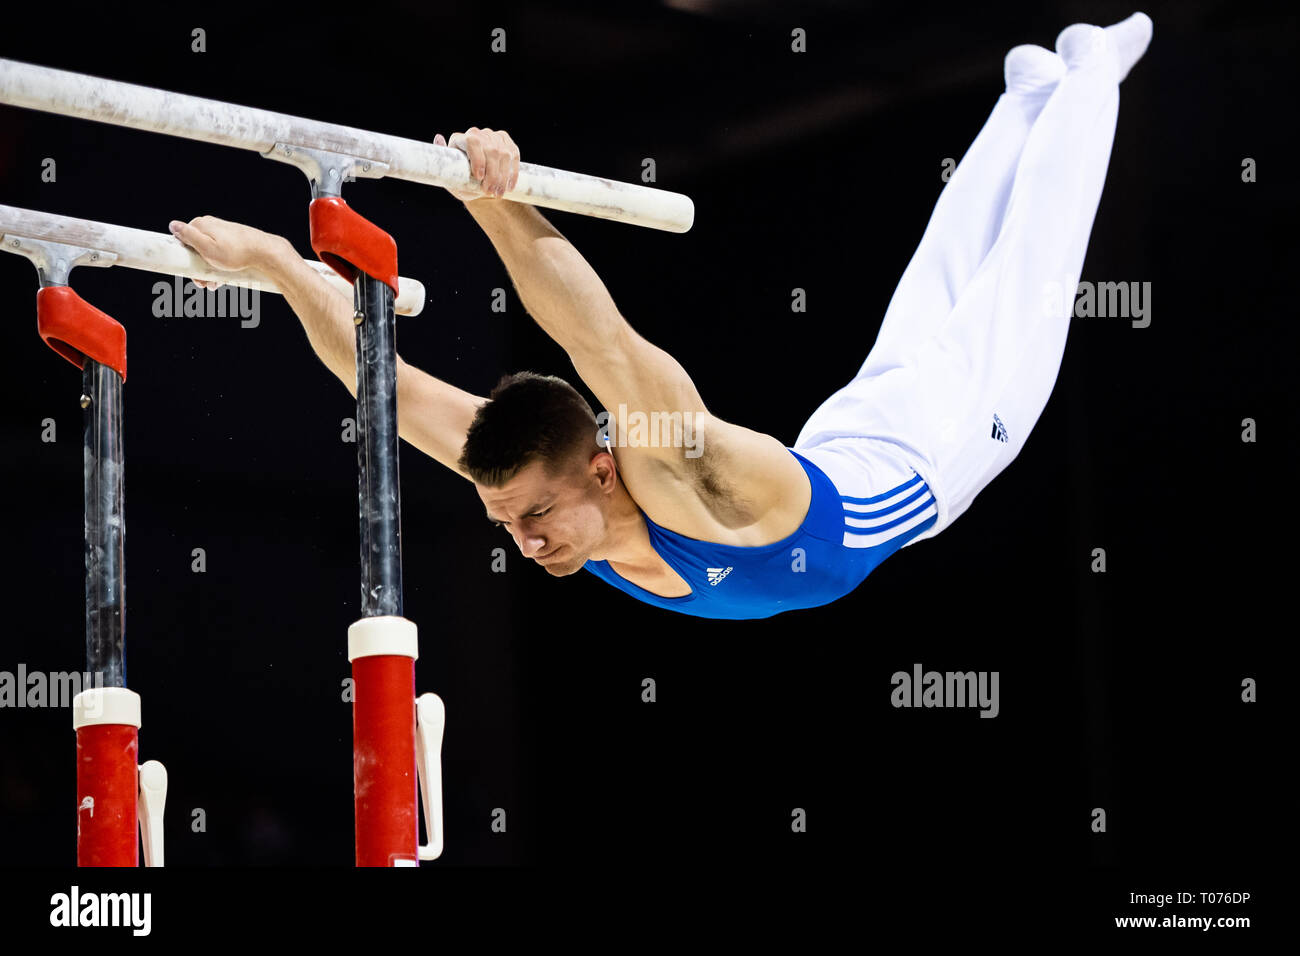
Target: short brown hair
{"x":528,"y":417}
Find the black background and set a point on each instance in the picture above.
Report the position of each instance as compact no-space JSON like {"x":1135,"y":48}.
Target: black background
{"x":819,"y":171}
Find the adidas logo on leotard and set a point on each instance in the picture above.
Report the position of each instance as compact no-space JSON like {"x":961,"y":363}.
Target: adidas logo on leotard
{"x":999,"y":431}
{"x":717,"y":574}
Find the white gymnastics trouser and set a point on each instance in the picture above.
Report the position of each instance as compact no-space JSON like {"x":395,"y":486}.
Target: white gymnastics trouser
{"x":977,"y":325}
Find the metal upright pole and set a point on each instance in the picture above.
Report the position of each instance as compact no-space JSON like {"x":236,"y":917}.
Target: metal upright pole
{"x":380,"y":494}
{"x":107,"y":744}
{"x":382,"y":644}
{"x":113,"y":793}
{"x":384,"y":719}
{"x":104,"y":491}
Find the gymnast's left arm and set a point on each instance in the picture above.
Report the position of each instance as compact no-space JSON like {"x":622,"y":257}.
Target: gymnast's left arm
{"x":743,"y":476}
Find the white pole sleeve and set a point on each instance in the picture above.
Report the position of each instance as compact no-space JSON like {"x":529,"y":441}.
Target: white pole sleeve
{"x":192,"y":117}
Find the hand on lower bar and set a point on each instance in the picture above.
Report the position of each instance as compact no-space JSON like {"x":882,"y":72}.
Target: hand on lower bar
{"x":231,"y":246}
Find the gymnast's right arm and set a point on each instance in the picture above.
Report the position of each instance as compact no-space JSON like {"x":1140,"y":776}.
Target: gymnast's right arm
{"x":431,"y":415}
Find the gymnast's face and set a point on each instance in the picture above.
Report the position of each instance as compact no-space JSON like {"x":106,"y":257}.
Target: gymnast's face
{"x":556,"y":520}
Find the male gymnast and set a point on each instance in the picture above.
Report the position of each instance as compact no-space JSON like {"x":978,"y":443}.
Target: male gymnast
{"x":718,"y":520}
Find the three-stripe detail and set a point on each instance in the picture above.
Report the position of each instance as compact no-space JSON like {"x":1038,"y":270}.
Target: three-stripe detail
{"x":869,"y":522}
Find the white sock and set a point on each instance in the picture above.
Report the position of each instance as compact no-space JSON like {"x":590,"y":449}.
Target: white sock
{"x":1128,"y":38}
{"x":1080,"y":42}
{"x":1028,"y":68}
{"x":1131,"y":38}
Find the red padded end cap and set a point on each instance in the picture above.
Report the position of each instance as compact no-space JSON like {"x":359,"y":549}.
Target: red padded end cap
{"x":77,"y":330}
{"x":346,"y":241}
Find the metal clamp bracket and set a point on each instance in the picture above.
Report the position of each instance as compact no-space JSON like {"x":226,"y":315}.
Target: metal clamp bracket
{"x":327,"y":171}
{"x":55,"y":260}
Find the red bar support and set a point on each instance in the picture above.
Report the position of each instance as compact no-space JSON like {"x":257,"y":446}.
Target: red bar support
{"x":383,"y":652}
{"x":383,"y":753}
{"x":107,"y":722}
{"x":77,"y":330}
{"x":346,"y":241}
